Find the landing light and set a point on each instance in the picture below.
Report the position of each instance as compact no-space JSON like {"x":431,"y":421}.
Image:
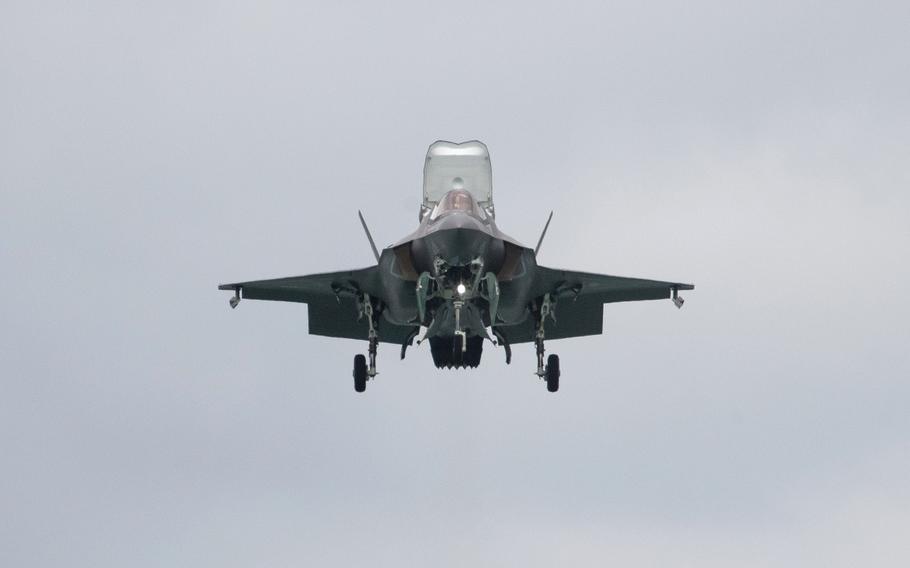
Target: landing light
{"x":460,"y":289}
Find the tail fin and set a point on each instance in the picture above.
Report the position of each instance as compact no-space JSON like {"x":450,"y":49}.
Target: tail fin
{"x":369,"y":236}
{"x":542,"y":235}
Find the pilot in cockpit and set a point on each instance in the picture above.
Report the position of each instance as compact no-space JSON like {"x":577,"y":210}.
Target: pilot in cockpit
{"x":457,"y":200}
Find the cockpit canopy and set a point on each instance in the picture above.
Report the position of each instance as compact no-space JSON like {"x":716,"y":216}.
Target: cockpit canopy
{"x":450,"y":166}
{"x":457,"y":200}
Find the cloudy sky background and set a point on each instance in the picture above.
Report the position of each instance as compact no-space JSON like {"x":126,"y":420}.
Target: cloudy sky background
{"x":149,"y":152}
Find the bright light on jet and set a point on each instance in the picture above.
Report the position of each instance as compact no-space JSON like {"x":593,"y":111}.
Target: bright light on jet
{"x":461,"y":289}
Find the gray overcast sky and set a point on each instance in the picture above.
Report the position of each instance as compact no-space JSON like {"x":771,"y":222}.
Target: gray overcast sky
{"x":149,"y":151}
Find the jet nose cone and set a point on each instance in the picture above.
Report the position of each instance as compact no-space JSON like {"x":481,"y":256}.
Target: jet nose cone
{"x":457,"y":239}
{"x":459,"y":221}
{"x":459,"y":247}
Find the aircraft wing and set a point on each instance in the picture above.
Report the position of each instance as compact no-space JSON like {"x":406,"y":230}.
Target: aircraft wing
{"x":604,"y":288}
{"x":580,"y":297}
{"x":332,"y":301}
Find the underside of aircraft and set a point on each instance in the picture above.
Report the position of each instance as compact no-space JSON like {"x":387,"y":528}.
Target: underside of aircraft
{"x":456,"y":282}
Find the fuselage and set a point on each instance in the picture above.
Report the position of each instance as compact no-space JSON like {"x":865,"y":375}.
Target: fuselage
{"x":458,"y":239}
{"x":460,"y":257}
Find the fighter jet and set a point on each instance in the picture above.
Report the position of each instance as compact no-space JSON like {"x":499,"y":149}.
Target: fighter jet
{"x":456,"y":282}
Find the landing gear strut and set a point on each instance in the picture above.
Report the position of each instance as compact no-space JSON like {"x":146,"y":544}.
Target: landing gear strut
{"x":363,"y":372}
{"x":460,"y":342}
{"x":550,"y":372}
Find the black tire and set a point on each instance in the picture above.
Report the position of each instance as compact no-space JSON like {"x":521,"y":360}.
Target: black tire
{"x":360,"y":373}
{"x":553,"y":373}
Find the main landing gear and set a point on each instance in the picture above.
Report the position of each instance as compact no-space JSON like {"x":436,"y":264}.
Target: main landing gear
{"x":550,"y":372}
{"x":362,"y":372}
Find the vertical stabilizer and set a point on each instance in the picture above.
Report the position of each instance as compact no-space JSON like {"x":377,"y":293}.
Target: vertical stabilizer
{"x":369,"y":236}
{"x":543,"y":234}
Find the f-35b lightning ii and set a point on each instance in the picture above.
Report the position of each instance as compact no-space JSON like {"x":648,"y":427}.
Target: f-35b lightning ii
{"x":459,"y":278}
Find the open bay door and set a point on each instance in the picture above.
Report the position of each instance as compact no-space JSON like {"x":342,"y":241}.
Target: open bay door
{"x":457,"y":166}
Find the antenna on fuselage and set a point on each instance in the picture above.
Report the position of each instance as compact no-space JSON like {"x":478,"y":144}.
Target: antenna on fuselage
{"x":542,"y":235}
{"x":370,"y":237}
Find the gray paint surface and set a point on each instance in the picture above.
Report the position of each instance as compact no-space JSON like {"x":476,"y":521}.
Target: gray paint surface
{"x":759,"y":150}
